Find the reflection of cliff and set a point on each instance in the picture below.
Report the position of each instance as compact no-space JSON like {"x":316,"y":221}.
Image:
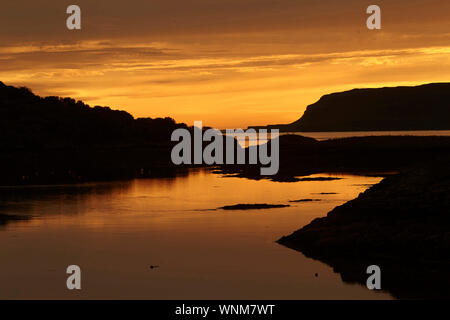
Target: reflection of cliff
{"x":425,"y":107}
{"x":402,"y":224}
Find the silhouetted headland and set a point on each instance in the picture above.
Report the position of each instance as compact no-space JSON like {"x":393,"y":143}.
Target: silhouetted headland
{"x":53,"y":140}
{"x":425,"y":107}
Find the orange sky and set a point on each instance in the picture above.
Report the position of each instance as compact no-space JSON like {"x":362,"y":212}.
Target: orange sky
{"x":229,"y":63}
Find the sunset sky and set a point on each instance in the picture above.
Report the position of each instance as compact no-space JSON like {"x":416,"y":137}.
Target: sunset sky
{"x":229,"y":63}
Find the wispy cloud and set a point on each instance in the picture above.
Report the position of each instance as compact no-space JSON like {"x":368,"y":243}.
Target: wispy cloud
{"x":227,"y":60}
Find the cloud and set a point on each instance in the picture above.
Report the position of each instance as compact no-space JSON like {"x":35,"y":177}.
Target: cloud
{"x":221,"y":57}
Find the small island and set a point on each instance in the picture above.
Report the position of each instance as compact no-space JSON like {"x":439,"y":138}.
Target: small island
{"x":254,"y":206}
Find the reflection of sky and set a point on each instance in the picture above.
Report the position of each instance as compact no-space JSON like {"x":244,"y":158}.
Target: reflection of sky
{"x":230,"y":63}
{"x":115,"y":231}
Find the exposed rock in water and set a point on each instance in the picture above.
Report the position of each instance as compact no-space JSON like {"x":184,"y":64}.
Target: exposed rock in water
{"x":326,"y":193}
{"x":319,"y":179}
{"x":401,"y":224}
{"x":253,"y":206}
{"x":304,"y":200}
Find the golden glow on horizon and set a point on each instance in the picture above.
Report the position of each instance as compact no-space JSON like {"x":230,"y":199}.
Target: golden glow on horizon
{"x":257,"y":73}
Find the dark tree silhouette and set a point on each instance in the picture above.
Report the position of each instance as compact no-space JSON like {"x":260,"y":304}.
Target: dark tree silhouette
{"x":60,"y":139}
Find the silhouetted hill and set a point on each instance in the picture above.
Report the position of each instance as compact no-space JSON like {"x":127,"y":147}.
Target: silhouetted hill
{"x":30,"y":121}
{"x":425,"y":107}
{"x":53,"y":140}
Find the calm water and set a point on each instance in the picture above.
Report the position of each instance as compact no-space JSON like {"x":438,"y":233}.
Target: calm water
{"x":115,"y":231}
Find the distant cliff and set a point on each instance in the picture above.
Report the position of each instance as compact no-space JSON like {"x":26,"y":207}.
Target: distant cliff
{"x":425,"y":107}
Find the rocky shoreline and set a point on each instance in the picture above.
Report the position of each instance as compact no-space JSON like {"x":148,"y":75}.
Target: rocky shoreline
{"x":401,"y":224}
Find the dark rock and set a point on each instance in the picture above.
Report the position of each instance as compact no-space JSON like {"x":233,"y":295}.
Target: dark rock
{"x":402,"y":224}
{"x":304,"y":200}
{"x":253,"y":206}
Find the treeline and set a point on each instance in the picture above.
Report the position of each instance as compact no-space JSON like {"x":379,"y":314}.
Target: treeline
{"x":54,"y":139}
{"x":30,"y":121}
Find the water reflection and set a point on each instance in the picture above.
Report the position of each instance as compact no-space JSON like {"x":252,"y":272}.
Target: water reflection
{"x":114,"y":231}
